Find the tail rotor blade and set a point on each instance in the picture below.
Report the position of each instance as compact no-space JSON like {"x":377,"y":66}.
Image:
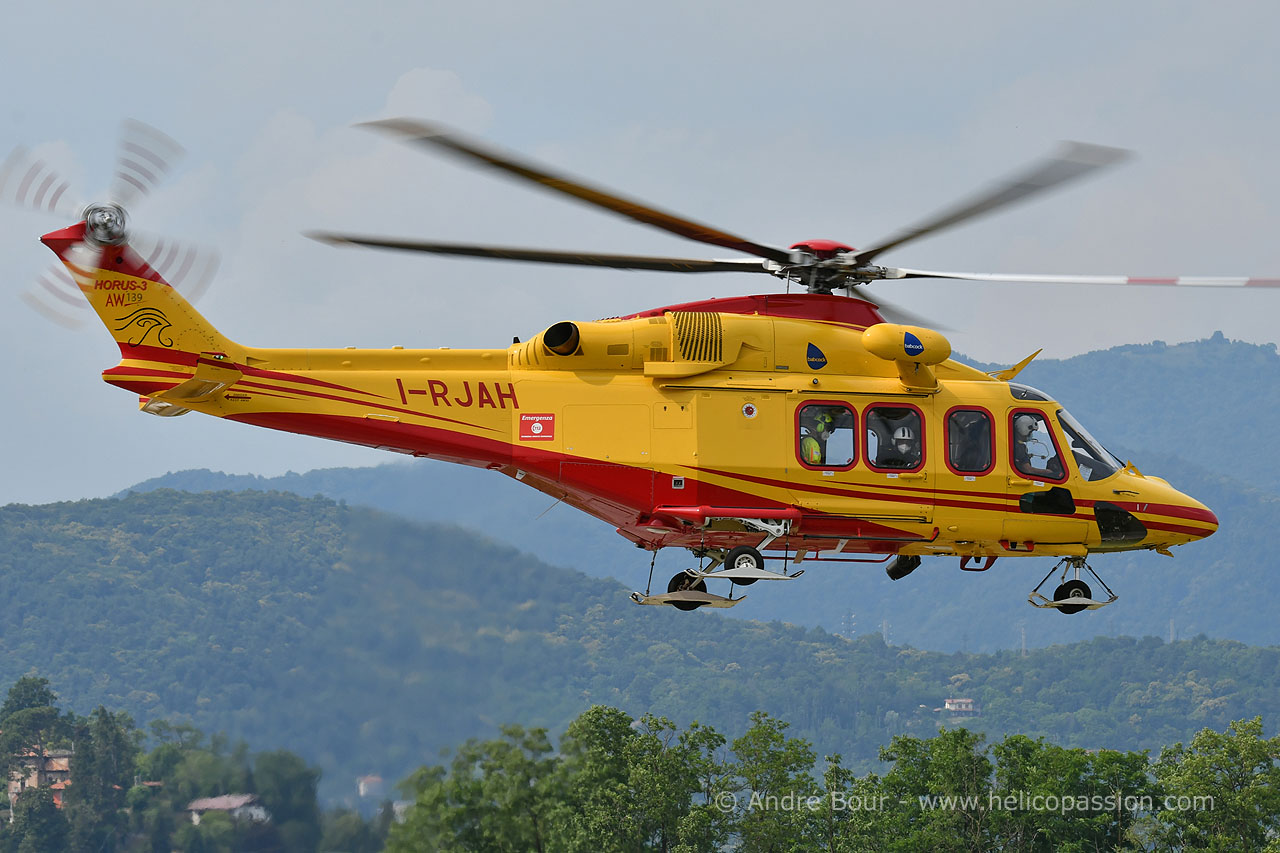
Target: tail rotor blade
{"x":59,"y":297}
{"x":54,"y":315}
{"x":29,"y":182}
{"x":189,"y":268}
{"x":59,"y":284}
{"x":146,"y":156}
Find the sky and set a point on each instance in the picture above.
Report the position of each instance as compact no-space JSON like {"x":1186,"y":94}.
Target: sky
{"x":778,"y":122}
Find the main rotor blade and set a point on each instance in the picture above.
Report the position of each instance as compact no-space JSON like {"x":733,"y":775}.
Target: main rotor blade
{"x":895,"y":313}
{"x":543,"y":256}
{"x":1074,"y":160}
{"x":1179,"y":281}
{"x":453,"y":142}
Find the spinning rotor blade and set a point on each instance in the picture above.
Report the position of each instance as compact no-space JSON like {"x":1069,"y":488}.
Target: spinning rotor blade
{"x":29,"y":182}
{"x":1180,"y":281}
{"x":543,"y":256}
{"x":453,"y":142}
{"x":58,"y":298}
{"x":894,"y":313}
{"x":187,"y":267}
{"x":145,"y":156}
{"x":1074,"y":160}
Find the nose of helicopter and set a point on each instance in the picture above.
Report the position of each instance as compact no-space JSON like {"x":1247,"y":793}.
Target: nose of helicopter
{"x":1172,"y":517}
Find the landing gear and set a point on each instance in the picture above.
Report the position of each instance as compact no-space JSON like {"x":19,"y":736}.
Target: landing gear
{"x":741,"y":566}
{"x":681,"y":582}
{"x":1072,"y":595}
{"x":901,"y":567}
{"x":1072,"y":589}
{"x":744,"y":557}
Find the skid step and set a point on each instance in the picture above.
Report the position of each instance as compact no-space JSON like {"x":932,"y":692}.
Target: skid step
{"x":687,"y":596}
{"x":1038,"y":600}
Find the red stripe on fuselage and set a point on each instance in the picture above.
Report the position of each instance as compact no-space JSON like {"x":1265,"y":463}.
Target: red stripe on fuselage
{"x":171,"y":356}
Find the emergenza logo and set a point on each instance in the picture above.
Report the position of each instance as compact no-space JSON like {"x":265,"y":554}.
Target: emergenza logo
{"x":911,"y":344}
{"x":816,"y":359}
{"x":537,"y":427}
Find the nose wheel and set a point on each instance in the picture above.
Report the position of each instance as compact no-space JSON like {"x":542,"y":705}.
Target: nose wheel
{"x":1072,"y":595}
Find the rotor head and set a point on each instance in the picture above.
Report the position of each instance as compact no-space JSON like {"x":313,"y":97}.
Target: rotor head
{"x":105,"y":224}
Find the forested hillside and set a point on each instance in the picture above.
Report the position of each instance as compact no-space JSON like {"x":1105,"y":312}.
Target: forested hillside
{"x":1149,"y":403}
{"x":365,"y":643}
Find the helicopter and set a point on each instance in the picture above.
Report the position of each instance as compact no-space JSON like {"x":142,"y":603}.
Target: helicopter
{"x":761,"y":433}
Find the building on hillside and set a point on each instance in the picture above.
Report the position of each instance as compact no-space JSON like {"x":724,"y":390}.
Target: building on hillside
{"x":238,"y":806}
{"x":961,"y":707}
{"x":370,"y":786}
{"x":53,"y":770}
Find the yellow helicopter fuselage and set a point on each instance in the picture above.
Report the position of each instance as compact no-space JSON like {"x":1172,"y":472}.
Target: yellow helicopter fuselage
{"x":692,"y":426}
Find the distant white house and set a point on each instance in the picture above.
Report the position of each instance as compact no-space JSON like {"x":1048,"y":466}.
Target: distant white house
{"x":370,"y":786}
{"x":962,"y":707}
{"x":238,"y":806}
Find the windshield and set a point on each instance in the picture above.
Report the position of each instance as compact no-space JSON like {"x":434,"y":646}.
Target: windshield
{"x":1093,"y":460}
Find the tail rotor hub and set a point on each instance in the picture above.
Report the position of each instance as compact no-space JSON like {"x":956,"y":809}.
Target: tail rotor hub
{"x":105,"y":224}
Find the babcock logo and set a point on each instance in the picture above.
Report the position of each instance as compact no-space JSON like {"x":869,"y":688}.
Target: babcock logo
{"x":816,"y":359}
{"x":911,"y":344}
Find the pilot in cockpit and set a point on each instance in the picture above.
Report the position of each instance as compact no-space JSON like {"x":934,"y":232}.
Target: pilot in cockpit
{"x":1032,"y":456}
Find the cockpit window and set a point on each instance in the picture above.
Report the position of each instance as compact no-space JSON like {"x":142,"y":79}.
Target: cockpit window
{"x":1093,"y":460}
{"x":1035,"y":453}
{"x":1026,"y":392}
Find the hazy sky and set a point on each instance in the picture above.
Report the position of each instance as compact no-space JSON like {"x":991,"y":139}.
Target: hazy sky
{"x":780,"y":122}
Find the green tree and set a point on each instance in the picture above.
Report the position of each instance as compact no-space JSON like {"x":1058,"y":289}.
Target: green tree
{"x":847,"y":813}
{"x":27,"y":692}
{"x":500,"y":795}
{"x":345,"y":830}
{"x":777,"y":786}
{"x":1048,"y":798}
{"x":287,"y":789}
{"x":102,"y":770}
{"x":596,"y":779}
{"x":1221,"y":792}
{"x":939,"y":790}
{"x":39,"y":826}
{"x":27,"y":736}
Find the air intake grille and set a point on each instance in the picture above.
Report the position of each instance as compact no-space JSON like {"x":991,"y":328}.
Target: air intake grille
{"x":699,"y":335}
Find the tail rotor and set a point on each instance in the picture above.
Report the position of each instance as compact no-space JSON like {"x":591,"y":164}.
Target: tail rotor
{"x":145,"y":157}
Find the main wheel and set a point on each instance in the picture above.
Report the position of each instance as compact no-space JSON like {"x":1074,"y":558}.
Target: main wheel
{"x":681,"y":582}
{"x":1072,"y":589}
{"x":744,"y":557}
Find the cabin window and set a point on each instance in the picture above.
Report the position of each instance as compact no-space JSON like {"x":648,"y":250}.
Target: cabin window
{"x":895,"y":437}
{"x":970,"y":441}
{"x":1035,"y":452}
{"x":825,"y":435}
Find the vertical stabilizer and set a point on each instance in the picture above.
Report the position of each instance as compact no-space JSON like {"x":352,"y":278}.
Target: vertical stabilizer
{"x":143,"y":313}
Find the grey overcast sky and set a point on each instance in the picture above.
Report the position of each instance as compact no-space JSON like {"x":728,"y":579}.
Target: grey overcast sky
{"x":778,"y":121}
